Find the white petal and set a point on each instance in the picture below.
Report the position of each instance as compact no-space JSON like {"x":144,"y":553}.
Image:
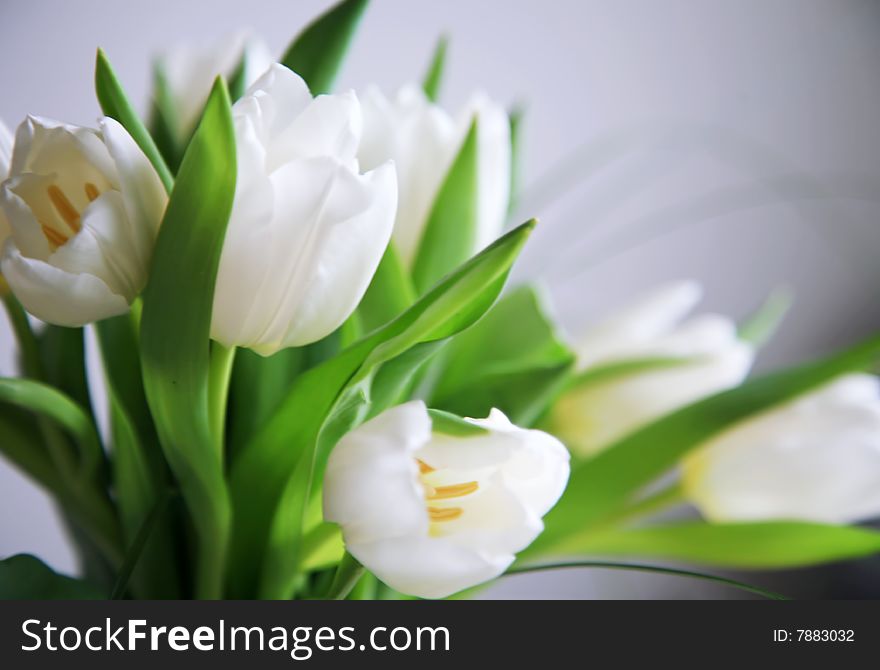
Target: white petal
{"x":5,"y":150}
{"x":422,"y":140}
{"x":329,"y":230}
{"x":429,"y":567}
{"x":56,"y":296}
{"x":816,"y":459}
{"x":328,"y":126}
{"x":593,"y":417}
{"x":274,"y":101}
{"x":630,"y":332}
{"x":142,"y":191}
{"x":107,"y":248}
{"x":371,"y":482}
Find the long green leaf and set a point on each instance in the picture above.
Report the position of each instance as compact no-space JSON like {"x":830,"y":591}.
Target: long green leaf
{"x":451,"y":229}
{"x":316,"y":54}
{"x":603,"y":483}
{"x":329,"y":399}
{"x":163,"y":120}
{"x":115,"y":104}
{"x":175,"y":330}
{"x":769,"y":544}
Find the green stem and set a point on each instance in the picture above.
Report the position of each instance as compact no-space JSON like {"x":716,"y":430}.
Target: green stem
{"x":219,"y":374}
{"x":137,"y":547}
{"x":27,"y":341}
{"x":347,"y":575}
{"x":641,"y":567}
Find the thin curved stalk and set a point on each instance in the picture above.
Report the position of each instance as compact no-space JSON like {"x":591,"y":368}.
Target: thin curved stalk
{"x":642,"y":567}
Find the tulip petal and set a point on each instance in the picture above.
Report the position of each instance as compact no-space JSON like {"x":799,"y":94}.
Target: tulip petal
{"x":371,"y":482}
{"x":816,"y":459}
{"x":142,"y":190}
{"x":56,"y":296}
{"x":429,"y":567}
{"x":329,"y":126}
{"x":330,"y":228}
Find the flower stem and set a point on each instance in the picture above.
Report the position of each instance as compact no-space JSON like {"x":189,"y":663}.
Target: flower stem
{"x":347,"y":575}
{"x":219,"y":374}
{"x":27,"y":341}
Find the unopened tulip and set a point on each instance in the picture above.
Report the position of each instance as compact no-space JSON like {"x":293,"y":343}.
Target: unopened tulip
{"x":83,"y":208}
{"x":190,"y":71}
{"x":591,"y":416}
{"x":423,"y":140}
{"x":431,"y":513}
{"x":307,"y":229}
{"x":814,"y":459}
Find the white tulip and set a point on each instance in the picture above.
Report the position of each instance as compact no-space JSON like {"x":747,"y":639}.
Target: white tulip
{"x":5,"y":150}
{"x":431,"y":514}
{"x":190,"y":71}
{"x":83,"y":207}
{"x":423,"y":140}
{"x":307,"y":230}
{"x":814,"y":459}
{"x":591,"y":417}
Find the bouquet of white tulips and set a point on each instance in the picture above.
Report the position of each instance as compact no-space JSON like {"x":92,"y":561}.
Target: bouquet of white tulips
{"x":299,"y":302}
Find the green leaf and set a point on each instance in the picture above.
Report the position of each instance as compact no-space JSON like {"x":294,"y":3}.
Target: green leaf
{"x":450,"y":424}
{"x":768,"y":544}
{"x":272,"y":480}
{"x":513,"y":359}
{"x":22,"y":443}
{"x":389,"y":294}
{"x":175,"y":330}
{"x":115,"y":104}
{"x":434,"y":75}
{"x":47,"y":401}
{"x":603,"y":483}
{"x":763,"y":324}
{"x":451,"y":229}
{"x":24,"y":577}
{"x":316,"y":54}
{"x":163,"y":121}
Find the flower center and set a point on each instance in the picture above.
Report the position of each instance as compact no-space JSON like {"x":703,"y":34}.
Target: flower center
{"x":444,"y":493}
{"x":67,"y":212}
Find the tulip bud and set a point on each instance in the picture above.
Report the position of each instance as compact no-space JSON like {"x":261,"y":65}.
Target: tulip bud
{"x":307,"y":229}
{"x":190,"y":71}
{"x":5,"y":158}
{"x":814,"y":459}
{"x":423,"y":139}
{"x":431,"y":513}
{"x":83,"y":208}
{"x":593,"y":415}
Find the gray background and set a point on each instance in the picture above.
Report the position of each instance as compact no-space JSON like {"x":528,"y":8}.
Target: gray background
{"x":734,"y":142}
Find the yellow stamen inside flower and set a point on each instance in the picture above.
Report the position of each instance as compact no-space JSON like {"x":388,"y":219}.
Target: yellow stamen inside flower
{"x":452,"y":491}
{"x":55,"y":238}
{"x":444,"y":513}
{"x":64,"y":207}
{"x":424,"y":468}
{"x":92,"y":191}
